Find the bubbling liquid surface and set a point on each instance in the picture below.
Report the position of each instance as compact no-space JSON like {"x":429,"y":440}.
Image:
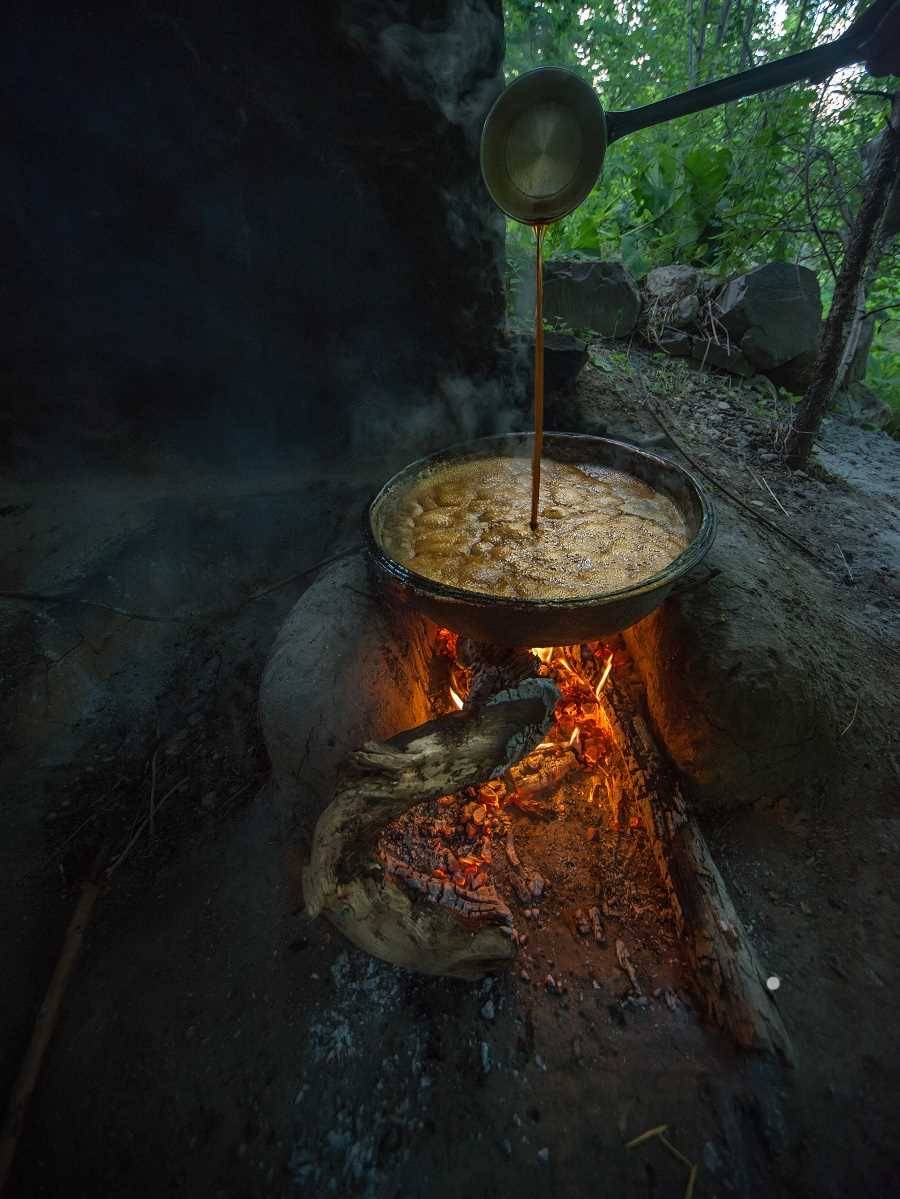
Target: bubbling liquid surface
{"x":466,"y":525}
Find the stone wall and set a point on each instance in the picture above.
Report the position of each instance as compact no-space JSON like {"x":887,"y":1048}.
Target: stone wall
{"x":240,"y":227}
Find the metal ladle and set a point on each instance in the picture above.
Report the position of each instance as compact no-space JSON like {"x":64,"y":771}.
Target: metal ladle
{"x":545,"y":138}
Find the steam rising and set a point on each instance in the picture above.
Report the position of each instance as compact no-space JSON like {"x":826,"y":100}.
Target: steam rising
{"x":454,"y":65}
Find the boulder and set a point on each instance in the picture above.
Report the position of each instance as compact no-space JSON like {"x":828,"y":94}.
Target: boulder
{"x":773,"y":313}
{"x":859,"y":405}
{"x":669,"y":284}
{"x":674,"y":341}
{"x":564,"y":358}
{"x":588,"y":293}
{"x":686,"y":312}
{"x":795,"y":376}
{"x":724,"y":357}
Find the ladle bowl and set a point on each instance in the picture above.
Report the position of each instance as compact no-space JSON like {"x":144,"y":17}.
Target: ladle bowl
{"x":502,"y":620}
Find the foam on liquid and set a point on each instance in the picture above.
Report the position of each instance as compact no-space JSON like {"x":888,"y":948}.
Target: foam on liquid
{"x":467,"y":525}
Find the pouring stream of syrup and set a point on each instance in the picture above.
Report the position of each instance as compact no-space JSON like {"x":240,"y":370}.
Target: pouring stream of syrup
{"x":539,"y":231}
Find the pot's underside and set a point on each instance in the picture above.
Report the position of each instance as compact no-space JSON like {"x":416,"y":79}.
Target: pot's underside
{"x":508,"y":621}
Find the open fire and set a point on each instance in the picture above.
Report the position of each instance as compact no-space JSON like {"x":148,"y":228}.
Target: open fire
{"x":575,"y":745}
{"x":541,"y":830}
{"x":526,"y":814}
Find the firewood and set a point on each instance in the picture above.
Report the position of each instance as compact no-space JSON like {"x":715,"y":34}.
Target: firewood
{"x":532,"y":779}
{"x":477,"y":903}
{"x":492,"y":668}
{"x":730,"y":984}
{"x":402,"y":921}
{"x":47,"y":1019}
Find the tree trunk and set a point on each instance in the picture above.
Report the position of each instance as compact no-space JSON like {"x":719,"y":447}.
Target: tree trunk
{"x":863,"y":236}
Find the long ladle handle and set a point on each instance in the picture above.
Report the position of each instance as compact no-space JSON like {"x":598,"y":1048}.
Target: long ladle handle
{"x":810,"y":64}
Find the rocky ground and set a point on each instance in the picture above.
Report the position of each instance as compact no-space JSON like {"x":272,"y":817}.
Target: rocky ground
{"x":215,"y":1043}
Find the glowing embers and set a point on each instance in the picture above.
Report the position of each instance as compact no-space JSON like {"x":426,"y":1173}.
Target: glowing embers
{"x":563,"y":782}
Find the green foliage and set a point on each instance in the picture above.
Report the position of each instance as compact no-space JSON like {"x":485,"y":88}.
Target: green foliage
{"x":777,"y":176}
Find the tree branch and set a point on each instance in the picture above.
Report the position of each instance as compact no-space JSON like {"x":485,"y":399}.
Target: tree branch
{"x":863,"y":236}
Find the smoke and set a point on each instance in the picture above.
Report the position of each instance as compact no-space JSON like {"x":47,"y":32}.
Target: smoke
{"x":459,"y":408}
{"x":451,"y":67}
{"x":453,"y":64}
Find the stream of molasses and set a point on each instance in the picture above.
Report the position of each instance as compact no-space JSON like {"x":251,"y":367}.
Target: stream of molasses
{"x":539,"y":231}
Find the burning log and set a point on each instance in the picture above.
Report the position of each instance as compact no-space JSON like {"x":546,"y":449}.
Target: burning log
{"x":492,"y":668}
{"x":729,"y":980}
{"x":532,"y":779}
{"x":479,"y":903}
{"x":378,"y":904}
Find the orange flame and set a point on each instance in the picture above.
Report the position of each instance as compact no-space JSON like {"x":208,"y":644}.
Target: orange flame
{"x":543,"y":653}
{"x":606,"y":669}
{"x":579,"y":724}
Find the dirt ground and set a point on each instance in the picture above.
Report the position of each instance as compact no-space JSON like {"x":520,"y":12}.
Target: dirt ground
{"x":214,"y":1042}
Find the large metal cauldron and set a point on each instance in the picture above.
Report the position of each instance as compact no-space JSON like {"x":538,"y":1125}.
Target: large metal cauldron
{"x":506,"y":621}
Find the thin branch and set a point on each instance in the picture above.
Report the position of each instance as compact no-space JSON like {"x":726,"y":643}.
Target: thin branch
{"x":845,"y":302}
{"x":882,"y":308}
{"x":850,"y":578}
{"x":809,"y":157}
{"x":735,"y":499}
{"x":68,"y":597}
{"x":723,"y":21}
{"x":849,"y":726}
{"x":840,"y":192}
{"x":761,"y":482}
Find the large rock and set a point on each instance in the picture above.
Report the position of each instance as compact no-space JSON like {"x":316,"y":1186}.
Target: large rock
{"x":674,"y":341}
{"x":564,"y":359}
{"x":723,"y":357}
{"x":859,"y":405}
{"x":175,"y":300}
{"x":795,"y":376}
{"x":588,"y":293}
{"x":773,"y":313}
{"x":685,"y":312}
{"x":669,"y":284}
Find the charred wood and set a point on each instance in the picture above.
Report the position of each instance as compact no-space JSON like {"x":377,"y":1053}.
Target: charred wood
{"x":730,"y":984}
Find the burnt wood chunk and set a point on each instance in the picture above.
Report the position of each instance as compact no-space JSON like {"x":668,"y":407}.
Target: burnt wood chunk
{"x":396,"y":913}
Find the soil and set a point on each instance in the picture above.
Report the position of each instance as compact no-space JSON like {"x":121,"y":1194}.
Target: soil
{"x":214,"y":1042}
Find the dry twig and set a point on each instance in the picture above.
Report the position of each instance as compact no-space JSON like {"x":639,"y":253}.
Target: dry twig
{"x":152,"y":805}
{"x":850,"y":578}
{"x":761,"y":481}
{"x":68,"y":597}
{"x":648,"y":1135}
{"x":849,"y":725}
{"x":46,"y":1020}
{"x":137,"y":833}
{"x":658,"y":1133}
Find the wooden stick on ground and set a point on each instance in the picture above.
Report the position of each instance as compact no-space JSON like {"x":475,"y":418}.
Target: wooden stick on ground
{"x":46,"y":1021}
{"x":729,"y":980}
